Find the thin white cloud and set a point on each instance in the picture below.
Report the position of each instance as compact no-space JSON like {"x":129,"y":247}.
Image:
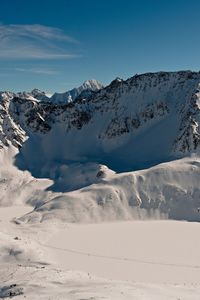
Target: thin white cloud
{"x":35,"y":42}
{"x":37,"y":71}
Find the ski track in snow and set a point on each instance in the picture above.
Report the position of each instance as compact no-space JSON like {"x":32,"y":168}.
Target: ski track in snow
{"x":121,"y":258}
{"x":38,"y":279}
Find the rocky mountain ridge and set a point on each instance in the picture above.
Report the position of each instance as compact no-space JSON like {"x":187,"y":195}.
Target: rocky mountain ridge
{"x":155,"y":110}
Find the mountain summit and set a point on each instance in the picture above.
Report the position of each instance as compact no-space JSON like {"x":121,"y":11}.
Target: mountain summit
{"x":85,"y":89}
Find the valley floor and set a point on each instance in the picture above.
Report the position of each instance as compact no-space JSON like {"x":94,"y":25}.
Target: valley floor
{"x":136,"y":260}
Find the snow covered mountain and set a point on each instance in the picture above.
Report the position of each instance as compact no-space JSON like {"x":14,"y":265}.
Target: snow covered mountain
{"x":148,"y":118}
{"x":35,"y":94}
{"x":85,"y":90}
{"x":129,"y":125}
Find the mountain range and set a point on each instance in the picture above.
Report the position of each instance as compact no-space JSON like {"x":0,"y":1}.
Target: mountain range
{"x":127,"y":150}
{"x":86,"y":89}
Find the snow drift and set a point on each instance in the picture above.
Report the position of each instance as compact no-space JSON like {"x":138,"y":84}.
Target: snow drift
{"x":169,"y":190}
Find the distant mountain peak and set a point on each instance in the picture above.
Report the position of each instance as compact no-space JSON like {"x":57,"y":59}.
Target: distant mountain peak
{"x":37,"y":91}
{"x":92,"y":84}
{"x":39,"y":95}
{"x":86,"y":89}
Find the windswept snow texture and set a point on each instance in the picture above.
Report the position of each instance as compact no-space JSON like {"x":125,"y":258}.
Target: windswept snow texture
{"x":169,"y":190}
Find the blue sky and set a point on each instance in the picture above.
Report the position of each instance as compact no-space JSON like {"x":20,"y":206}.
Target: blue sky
{"x":55,"y":45}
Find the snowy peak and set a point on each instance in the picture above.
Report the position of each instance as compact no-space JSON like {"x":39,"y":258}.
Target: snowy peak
{"x":6,"y":95}
{"x":35,"y":94}
{"x":85,"y":90}
{"x":39,"y":95}
{"x":92,"y":84}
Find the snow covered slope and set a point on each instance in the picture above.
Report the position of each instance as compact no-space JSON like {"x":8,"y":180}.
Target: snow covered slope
{"x":129,"y":125}
{"x":17,"y":187}
{"x":85,"y":90}
{"x":169,"y":190}
{"x":133,"y":124}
